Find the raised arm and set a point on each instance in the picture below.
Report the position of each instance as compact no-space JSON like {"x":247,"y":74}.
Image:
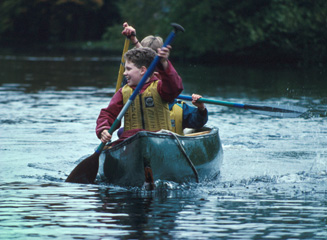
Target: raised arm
{"x":130,"y":32}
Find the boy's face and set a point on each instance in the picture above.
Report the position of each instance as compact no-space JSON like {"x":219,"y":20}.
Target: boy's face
{"x":133,"y":74}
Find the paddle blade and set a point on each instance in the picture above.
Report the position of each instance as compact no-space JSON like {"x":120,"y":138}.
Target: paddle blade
{"x":86,"y":171}
{"x":282,"y":111}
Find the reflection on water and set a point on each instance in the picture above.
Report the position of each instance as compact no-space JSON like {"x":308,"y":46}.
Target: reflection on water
{"x":273,"y":179}
{"x":244,"y":210}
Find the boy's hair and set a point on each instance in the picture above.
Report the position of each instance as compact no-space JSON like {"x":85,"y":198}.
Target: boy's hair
{"x":153,"y":42}
{"x":140,"y":56}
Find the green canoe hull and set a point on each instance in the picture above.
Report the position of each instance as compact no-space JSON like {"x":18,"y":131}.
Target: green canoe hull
{"x":124,"y":163}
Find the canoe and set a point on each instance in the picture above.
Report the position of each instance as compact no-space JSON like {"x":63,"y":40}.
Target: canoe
{"x":171,"y":157}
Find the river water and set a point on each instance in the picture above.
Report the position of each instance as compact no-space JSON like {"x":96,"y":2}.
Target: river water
{"x":273,"y":181}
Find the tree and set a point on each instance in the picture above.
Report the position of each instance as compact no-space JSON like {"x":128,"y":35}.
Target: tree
{"x":258,"y":30}
{"x":60,"y":20}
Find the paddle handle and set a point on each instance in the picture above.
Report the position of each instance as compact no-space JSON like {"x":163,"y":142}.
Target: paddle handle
{"x":205,"y":100}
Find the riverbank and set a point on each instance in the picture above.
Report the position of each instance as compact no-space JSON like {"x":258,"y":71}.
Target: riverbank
{"x":249,"y":57}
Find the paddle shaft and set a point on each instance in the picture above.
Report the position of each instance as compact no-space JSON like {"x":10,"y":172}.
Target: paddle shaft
{"x":121,"y":67}
{"x":205,"y":100}
{"x":138,"y":88}
{"x":276,"y":111}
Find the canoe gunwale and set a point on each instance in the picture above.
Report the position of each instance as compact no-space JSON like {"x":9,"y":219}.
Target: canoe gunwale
{"x":162,"y":134}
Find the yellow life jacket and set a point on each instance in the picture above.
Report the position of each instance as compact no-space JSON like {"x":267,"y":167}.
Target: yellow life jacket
{"x":148,"y":111}
{"x":176,"y":117}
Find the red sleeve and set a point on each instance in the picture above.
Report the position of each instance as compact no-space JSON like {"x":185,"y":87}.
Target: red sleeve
{"x":171,"y":84}
{"x":108,"y":115}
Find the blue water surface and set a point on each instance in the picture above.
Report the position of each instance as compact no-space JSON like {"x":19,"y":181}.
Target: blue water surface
{"x":272,"y":183}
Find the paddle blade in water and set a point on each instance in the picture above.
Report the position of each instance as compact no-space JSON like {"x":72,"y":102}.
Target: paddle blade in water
{"x":282,"y":111}
{"x":86,"y":171}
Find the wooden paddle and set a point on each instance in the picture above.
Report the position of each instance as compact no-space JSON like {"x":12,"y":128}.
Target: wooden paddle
{"x":284,"y":111}
{"x":86,"y":171}
{"x":121,"y":67}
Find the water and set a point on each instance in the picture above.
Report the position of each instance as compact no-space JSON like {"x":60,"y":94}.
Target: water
{"x":272,"y":183}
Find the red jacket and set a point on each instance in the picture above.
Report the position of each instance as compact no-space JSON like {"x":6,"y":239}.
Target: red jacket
{"x":169,"y":87}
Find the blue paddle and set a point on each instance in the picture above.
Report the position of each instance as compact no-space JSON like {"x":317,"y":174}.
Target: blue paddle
{"x":270,"y":110}
{"x":86,"y":171}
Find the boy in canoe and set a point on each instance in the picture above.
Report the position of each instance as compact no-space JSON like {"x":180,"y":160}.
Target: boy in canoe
{"x":182,"y":115}
{"x":150,"y":110}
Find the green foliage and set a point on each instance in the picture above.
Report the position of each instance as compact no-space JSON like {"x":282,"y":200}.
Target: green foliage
{"x":252,"y":29}
{"x":55,"y":20}
{"x":294,"y":28}
{"x":258,"y":30}
{"x":9,"y":10}
{"x":147,"y":16}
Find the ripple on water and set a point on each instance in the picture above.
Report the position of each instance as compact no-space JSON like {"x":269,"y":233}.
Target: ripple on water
{"x":272,"y":184}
